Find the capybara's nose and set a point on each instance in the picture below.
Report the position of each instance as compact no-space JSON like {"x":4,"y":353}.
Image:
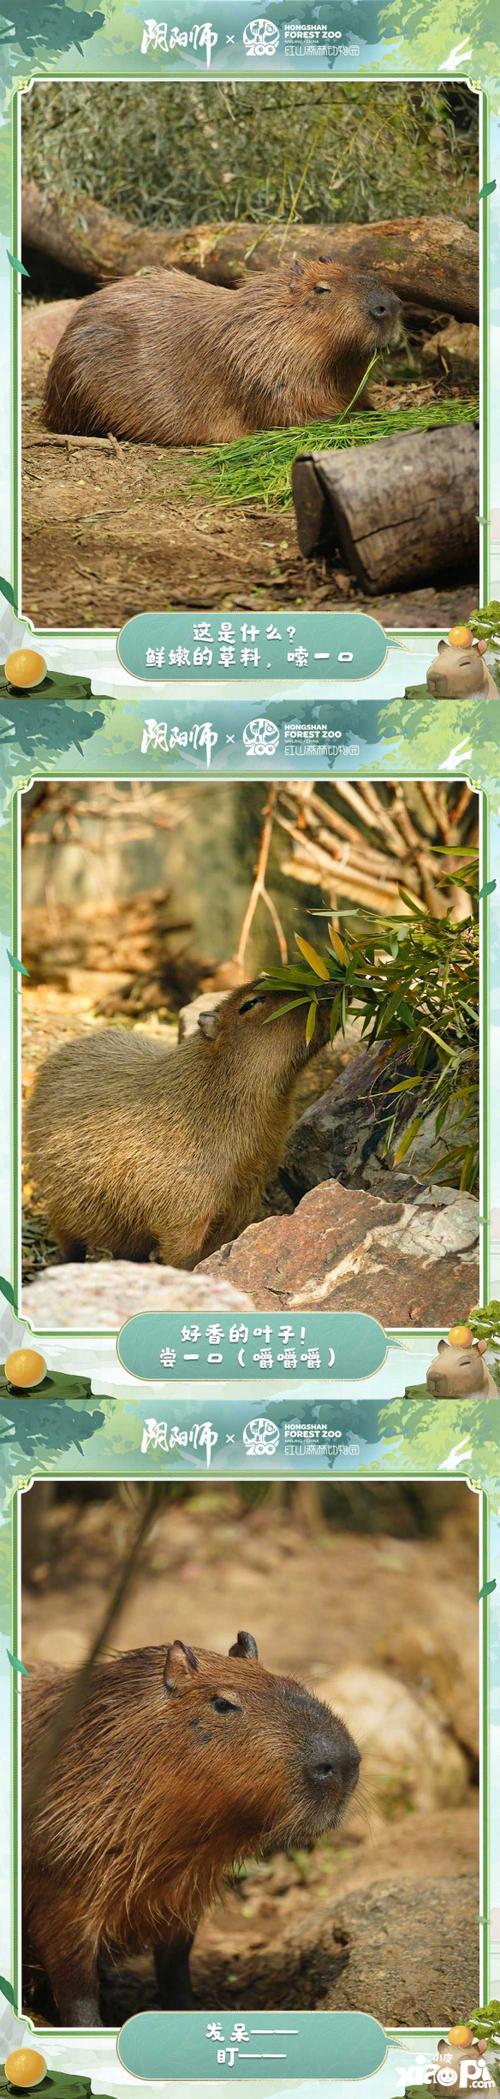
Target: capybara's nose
{"x":438,"y":687}
{"x":438,"y":1387}
{"x":334,"y":1763}
{"x":383,"y":306}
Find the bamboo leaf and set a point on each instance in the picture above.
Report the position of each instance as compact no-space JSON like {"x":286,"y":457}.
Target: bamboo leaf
{"x":289,"y":1008}
{"x":311,"y":1020}
{"x":316,"y":961}
{"x":338,"y":946}
{"x":412,"y":901}
{"x":409,"y":1135}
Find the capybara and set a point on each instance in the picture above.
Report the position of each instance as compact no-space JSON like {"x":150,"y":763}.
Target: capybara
{"x":173,"y":361}
{"x":178,"y":1764}
{"x":455,"y":673}
{"x":137,"y":1149}
{"x":468,"y":2067}
{"x":460,"y":1373}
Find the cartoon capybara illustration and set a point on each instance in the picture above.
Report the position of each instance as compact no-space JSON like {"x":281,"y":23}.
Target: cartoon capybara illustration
{"x":460,"y":2066}
{"x":456,"y":673}
{"x":460,"y":1373}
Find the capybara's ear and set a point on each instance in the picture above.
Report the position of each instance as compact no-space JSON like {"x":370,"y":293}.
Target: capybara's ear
{"x":209,"y":1023}
{"x":245,"y":1645}
{"x":180,"y":1663}
{"x":442,"y":645}
{"x":441,"y":1345}
{"x":481,"y":648}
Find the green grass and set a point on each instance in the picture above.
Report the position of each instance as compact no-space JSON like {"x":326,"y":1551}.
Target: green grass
{"x":258,"y":469}
{"x":172,"y":153}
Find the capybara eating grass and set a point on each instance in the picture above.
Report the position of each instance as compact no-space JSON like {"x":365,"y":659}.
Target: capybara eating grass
{"x":137,"y":1149}
{"x":170,"y":360}
{"x":177,"y":1764}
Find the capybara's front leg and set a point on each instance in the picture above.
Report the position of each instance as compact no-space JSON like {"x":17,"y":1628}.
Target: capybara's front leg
{"x":172,"y":1975}
{"x":70,"y":1963}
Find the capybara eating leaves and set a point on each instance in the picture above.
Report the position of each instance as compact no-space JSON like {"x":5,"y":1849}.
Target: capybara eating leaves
{"x":137,"y":1149}
{"x":170,"y":360}
{"x":178,"y":1764}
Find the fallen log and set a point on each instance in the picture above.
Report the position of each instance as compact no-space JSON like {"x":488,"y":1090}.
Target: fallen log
{"x":431,"y":262}
{"x":399,"y":511}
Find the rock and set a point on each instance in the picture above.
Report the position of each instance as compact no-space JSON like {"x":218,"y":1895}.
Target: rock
{"x":410,"y":1758}
{"x":408,"y":1264}
{"x":414,"y":1952}
{"x":454,"y":349}
{"x":342,"y":1135}
{"x":408,"y":1953}
{"x":105,"y":1293}
{"x":43,"y":326}
{"x":447,"y":1669}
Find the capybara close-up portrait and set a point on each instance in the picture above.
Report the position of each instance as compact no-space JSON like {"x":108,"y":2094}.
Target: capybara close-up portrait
{"x":215,"y":1816}
{"x":235,"y":1090}
{"x":261,"y":311}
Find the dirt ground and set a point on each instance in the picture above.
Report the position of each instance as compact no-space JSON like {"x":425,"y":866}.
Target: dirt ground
{"x":382,"y":1914}
{"x":106,"y":535}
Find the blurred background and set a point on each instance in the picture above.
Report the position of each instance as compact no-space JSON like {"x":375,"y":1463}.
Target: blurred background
{"x":319,"y":151}
{"x":367,"y":1592}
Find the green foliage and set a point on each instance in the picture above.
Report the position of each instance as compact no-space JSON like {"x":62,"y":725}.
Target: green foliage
{"x":258,"y":469}
{"x":49,"y":1419}
{"x":434,"y":31}
{"x":46,"y":717}
{"x":414,"y":983}
{"x":485,"y":2020}
{"x":484,"y":1322}
{"x":180,"y":153}
{"x":485,"y":623}
{"x":40,"y":26}
{"x":420,"y":1433}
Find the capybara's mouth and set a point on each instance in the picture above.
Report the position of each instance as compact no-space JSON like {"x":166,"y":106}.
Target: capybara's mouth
{"x":387,"y":331}
{"x":438,"y":1387}
{"x":438,"y":687}
{"x":384,"y":311}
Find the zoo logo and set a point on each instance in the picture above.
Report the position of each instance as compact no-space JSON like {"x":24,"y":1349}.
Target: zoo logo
{"x":261,"y":738}
{"x":261,"y":38}
{"x":261,"y":1437}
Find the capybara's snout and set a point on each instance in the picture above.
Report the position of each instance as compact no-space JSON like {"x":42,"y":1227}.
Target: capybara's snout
{"x":334,"y":1763}
{"x":330,"y":1771}
{"x":384,"y":313}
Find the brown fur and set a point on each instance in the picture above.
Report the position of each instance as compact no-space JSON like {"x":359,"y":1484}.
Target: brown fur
{"x":170,"y":360}
{"x":154,"y":1794}
{"x":136,"y":1148}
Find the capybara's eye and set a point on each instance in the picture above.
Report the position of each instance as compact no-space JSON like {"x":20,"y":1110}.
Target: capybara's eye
{"x":246,"y":1007}
{"x":225,"y":1705}
{"x":322,"y":287}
